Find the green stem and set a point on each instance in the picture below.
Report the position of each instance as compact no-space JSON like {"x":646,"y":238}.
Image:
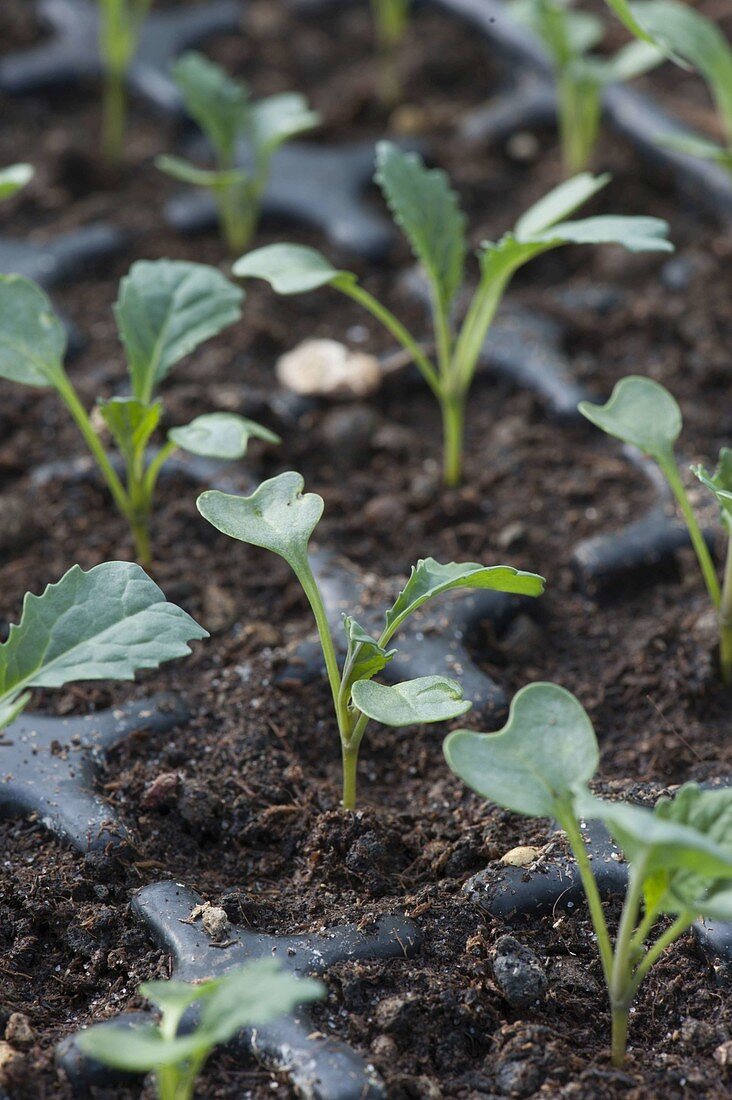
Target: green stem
{"x":475,"y":328}
{"x":453,"y":428}
{"x":672,"y":933}
{"x":349,"y":756}
{"x":114,"y":112}
{"x":310,"y":587}
{"x":577,"y":843}
{"x":579,"y":121}
{"x":671,"y":471}
{"x":620,"y":1017}
{"x":725,"y":618}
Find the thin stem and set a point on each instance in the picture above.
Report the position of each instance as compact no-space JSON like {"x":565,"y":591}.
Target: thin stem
{"x":579,"y":120}
{"x":725,"y":617}
{"x":620,"y":1017}
{"x":156,"y":465}
{"x":114,"y":114}
{"x":671,"y":471}
{"x":349,"y":756}
{"x":310,"y":587}
{"x":579,"y":849}
{"x":672,"y":933}
{"x":475,"y":327}
{"x":453,"y":428}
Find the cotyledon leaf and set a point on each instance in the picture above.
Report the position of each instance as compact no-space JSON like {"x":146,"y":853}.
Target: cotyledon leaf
{"x":641,"y":412}
{"x":290,"y":268}
{"x":32,"y":338}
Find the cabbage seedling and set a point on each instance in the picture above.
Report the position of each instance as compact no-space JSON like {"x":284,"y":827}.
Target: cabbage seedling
{"x":680,"y":853}
{"x":250,"y":996}
{"x":222,"y":108}
{"x":426,"y":208}
{"x":120,"y":27}
{"x":391,"y":19}
{"x":165,"y":309}
{"x":278,"y":517}
{"x":687,"y":37}
{"x":13,"y":178}
{"x":643,"y":413}
{"x":103,"y":624}
{"x":568,"y":36}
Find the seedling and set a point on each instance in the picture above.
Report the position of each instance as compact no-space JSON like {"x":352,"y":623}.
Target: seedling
{"x":222,"y":108}
{"x":680,"y":853}
{"x":278,"y":517}
{"x":103,"y":624}
{"x":250,"y":996}
{"x":688,"y":38}
{"x":426,"y":209}
{"x":13,"y":178}
{"x":120,"y":27}
{"x":391,"y":19}
{"x":643,"y":413}
{"x":569,"y":36}
{"x":165,"y":309}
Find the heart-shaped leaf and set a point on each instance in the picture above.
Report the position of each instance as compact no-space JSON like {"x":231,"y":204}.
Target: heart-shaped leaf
{"x":536,"y":764}
{"x":102,"y":624}
{"x":290,"y":268}
{"x":220,"y":435}
{"x":278,"y":516}
{"x":165,"y":309}
{"x":131,"y":423}
{"x":642,"y":412}
{"x":13,"y":178}
{"x":426,"y":699}
{"x":429,"y":578}
{"x":32,"y":339}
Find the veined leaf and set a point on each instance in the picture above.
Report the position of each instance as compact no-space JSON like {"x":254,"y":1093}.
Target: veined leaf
{"x":131,"y":423}
{"x":426,"y":699}
{"x":278,"y":118}
{"x":290,"y":268}
{"x":426,"y":208}
{"x":32,"y":339}
{"x":538,"y":762}
{"x":102,"y":624}
{"x":558,"y":204}
{"x":220,"y":435}
{"x":278,"y":516}
{"x":218,"y":104}
{"x":429,"y":578}
{"x":13,"y":178}
{"x":165,"y":309}
{"x":720,"y":483}
{"x":365,"y":657}
{"x":641,"y":412}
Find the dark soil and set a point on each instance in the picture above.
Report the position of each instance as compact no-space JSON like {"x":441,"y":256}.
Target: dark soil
{"x":254,"y":822}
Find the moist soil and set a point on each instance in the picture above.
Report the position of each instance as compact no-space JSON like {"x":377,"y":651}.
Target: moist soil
{"x":251,"y":817}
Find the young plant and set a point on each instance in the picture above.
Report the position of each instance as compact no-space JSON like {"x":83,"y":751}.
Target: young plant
{"x":120,"y":27}
{"x":103,"y":624}
{"x":222,"y":108}
{"x":643,"y":413}
{"x":687,"y":37}
{"x":250,"y":996}
{"x":426,"y":209}
{"x":278,"y":517}
{"x":165,"y":309}
{"x":568,"y":36}
{"x":680,"y":853}
{"x":13,"y":178}
{"x":391,"y":19}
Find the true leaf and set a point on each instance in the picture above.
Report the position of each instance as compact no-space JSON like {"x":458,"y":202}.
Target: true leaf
{"x":102,"y":624}
{"x":558,"y":204}
{"x":692,"y":145}
{"x":365,"y":657}
{"x":641,"y":412}
{"x":218,"y":104}
{"x":624,"y":11}
{"x":137,"y":1048}
{"x":186,"y":172}
{"x":426,"y":208}
{"x":278,"y":516}
{"x":426,"y":699}
{"x":32,"y":339}
{"x":631,"y":61}
{"x":720,"y":483}
{"x":535,"y":764}
{"x":254,"y":995}
{"x":278,"y":118}
{"x":290,"y":268}
{"x":220,"y":435}
{"x":429,"y":578}
{"x":131,"y":423}
{"x":13,"y":178}
{"x":165,"y":309}
{"x":636,"y":234}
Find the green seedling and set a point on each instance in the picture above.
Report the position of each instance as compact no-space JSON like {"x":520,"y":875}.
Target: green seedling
{"x":569,"y":36}
{"x":103,"y":624}
{"x":426,"y":209}
{"x":391,"y":19}
{"x":14,"y":178}
{"x":680,"y":853}
{"x":687,"y":37}
{"x":250,"y":996}
{"x":120,"y":27}
{"x":278,"y":517}
{"x":224,"y":111}
{"x":165,"y":309}
{"x":643,"y":413}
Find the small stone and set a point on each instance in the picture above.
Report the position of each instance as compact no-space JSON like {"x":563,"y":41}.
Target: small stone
{"x":723,"y":1054}
{"x":215,"y":922}
{"x":328,"y":369}
{"x":161,"y":791}
{"x":348,"y":432}
{"x":518,"y":973}
{"x":521,"y":856}
{"x":383,"y":509}
{"x":383,"y":1046}
{"x":523,"y":146}
{"x":408,"y":119}
{"x":8,"y":1054}
{"x":396,"y":1014}
{"x":511,"y":534}
{"x":676,"y":274}
{"x":18,"y":1030}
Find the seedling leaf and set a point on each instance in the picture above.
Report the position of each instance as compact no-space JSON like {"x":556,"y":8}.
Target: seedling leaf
{"x":218,"y":104}
{"x":13,"y":178}
{"x":290,"y":268}
{"x":32,"y":339}
{"x":220,"y":435}
{"x":426,"y":208}
{"x":535,"y":764}
{"x":558,"y":204}
{"x":131,"y":423}
{"x":276,"y":119}
{"x":278,"y":516}
{"x":253,"y":995}
{"x":692,"y":145}
{"x":165,"y":309}
{"x":365,"y":657}
{"x":641,"y":412}
{"x":426,"y":699}
{"x":720,"y":483}
{"x":139,"y":1048}
{"x":636,"y":234}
